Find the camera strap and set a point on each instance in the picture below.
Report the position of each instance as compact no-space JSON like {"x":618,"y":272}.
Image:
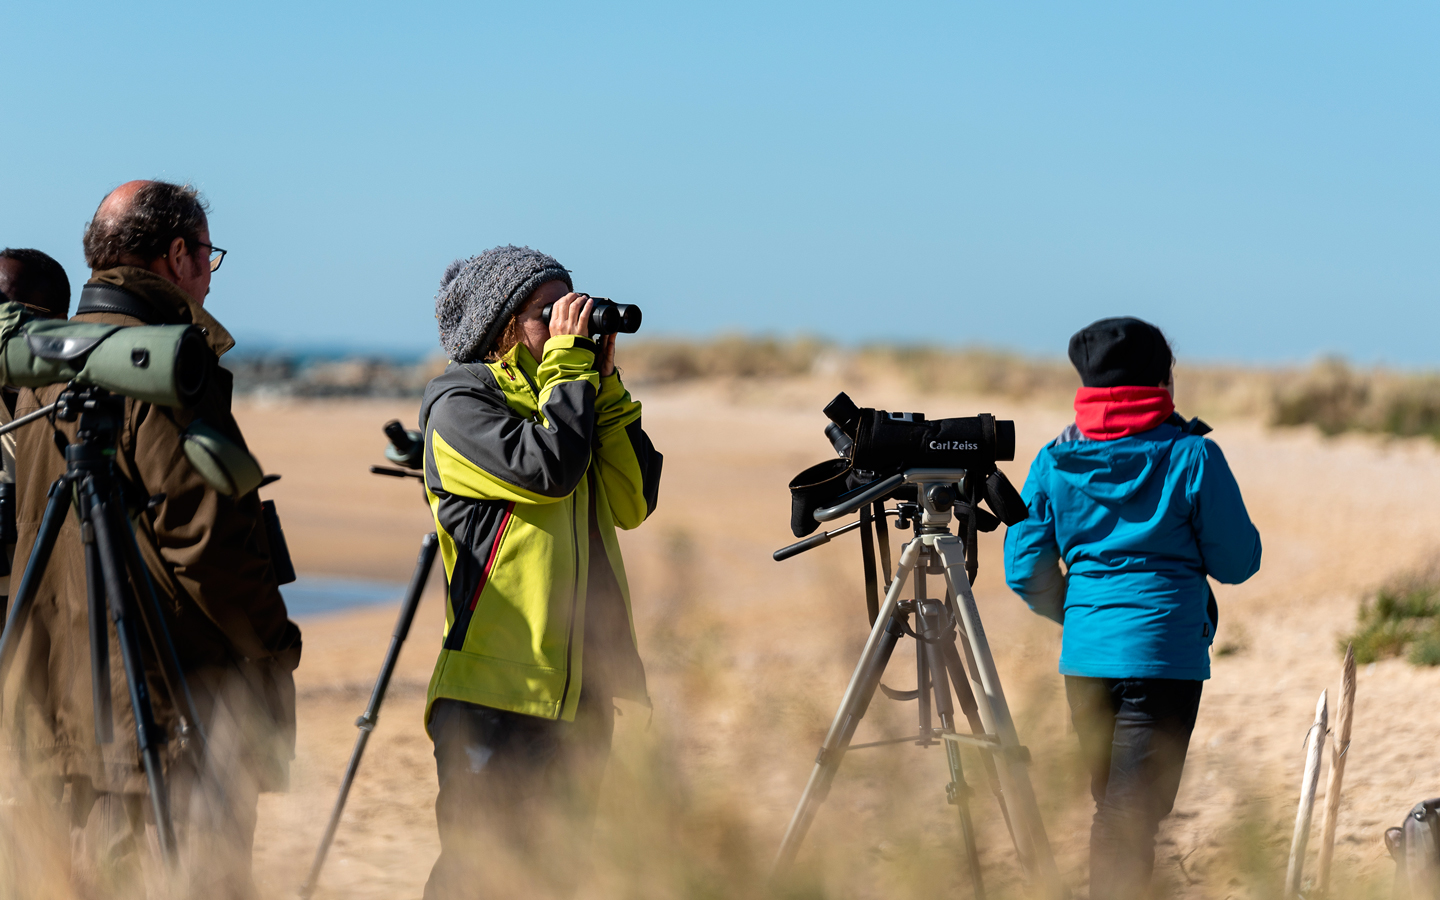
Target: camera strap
{"x":972,"y":523}
{"x":987,"y":428}
{"x":882,"y":537}
{"x":107,"y":298}
{"x":867,"y":557}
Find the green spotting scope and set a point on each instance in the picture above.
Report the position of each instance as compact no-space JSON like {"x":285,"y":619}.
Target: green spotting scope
{"x":168,"y":365}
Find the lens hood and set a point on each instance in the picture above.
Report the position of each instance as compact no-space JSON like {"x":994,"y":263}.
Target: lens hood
{"x":1002,"y":497}
{"x":168,"y":365}
{"x":815,"y":488}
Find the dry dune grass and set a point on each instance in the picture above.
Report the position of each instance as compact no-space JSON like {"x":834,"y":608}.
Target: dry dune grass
{"x":747,"y":659}
{"x":1329,"y":393}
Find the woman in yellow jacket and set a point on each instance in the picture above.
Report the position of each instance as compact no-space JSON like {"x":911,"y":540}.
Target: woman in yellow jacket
{"x":534,"y":454}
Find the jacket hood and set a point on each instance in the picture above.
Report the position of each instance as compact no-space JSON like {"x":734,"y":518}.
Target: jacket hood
{"x":469,"y":376}
{"x":1112,"y":472}
{"x":457,"y":376}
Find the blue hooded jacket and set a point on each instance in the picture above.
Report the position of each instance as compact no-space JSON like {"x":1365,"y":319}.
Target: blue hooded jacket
{"x":1140,"y":522}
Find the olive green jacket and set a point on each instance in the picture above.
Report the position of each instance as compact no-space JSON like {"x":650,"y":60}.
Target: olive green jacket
{"x":529,"y":469}
{"x":209,"y":558}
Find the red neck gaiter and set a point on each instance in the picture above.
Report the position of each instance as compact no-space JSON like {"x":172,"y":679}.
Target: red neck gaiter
{"x":1104,"y":414}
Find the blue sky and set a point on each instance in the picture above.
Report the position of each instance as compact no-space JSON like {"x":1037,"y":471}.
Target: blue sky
{"x":1259,"y":179}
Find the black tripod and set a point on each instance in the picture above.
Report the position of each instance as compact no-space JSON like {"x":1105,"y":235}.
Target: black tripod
{"x":939,"y":624}
{"x":118,"y":588}
{"x":408,"y":450}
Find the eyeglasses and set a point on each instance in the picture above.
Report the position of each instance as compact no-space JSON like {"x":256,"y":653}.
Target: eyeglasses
{"x":217,"y":256}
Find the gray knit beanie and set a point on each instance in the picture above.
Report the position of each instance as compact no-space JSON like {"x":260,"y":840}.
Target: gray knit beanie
{"x":479,"y":295}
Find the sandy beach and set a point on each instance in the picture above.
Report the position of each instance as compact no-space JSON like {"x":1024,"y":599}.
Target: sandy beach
{"x":747,"y":659}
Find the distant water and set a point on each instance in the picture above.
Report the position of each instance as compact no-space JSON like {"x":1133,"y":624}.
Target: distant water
{"x":308,"y":595}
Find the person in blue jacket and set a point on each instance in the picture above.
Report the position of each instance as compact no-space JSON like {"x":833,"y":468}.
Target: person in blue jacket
{"x":1142,"y":510}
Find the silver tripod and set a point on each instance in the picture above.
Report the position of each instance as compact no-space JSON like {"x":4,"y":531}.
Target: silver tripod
{"x":933,"y":549}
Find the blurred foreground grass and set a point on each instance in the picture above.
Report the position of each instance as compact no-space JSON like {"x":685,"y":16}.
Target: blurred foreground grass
{"x":668,"y":829}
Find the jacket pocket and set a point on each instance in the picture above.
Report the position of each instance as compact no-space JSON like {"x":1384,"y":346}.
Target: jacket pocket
{"x":481,"y":533}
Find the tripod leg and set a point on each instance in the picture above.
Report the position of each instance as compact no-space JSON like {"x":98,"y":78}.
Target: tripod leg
{"x":858,"y":693}
{"x":55,"y":511}
{"x":192,"y":737}
{"x":966,"y":695}
{"x":99,"y":634}
{"x":957,"y":791}
{"x":1031,"y":841}
{"x":159,"y":632}
{"x":147,"y":734}
{"x":922,"y":658}
{"x":366,"y":723}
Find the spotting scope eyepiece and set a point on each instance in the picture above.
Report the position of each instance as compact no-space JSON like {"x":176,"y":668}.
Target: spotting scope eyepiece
{"x":407,"y":448}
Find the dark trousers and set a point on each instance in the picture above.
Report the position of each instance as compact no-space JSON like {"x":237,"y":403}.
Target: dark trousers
{"x":517,"y":798}
{"x":1133,"y":736}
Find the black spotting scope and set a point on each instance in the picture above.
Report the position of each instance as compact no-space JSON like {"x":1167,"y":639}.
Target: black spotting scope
{"x":887,"y":442}
{"x":891,"y":455}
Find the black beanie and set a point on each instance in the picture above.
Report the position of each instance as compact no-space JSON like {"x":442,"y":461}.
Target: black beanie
{"x":1123,"y":351}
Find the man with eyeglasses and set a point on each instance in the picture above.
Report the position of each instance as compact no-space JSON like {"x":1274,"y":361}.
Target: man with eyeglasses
{"x":208,"y":555}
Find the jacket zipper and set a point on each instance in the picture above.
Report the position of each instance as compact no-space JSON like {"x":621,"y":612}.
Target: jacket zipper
{"x":574,"y":602}
{"x":575,"y":557}
{"x":534,"y":388}
{"x":575,"y":565}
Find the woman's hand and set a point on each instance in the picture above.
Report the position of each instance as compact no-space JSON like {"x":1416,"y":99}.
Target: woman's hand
{"x":606,"y":362}
{"x":571,"y":315}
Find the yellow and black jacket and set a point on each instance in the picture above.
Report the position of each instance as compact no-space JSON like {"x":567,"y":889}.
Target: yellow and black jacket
{"x":529,"y":468}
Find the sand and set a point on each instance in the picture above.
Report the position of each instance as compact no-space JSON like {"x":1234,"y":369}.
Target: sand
{"x":747,"y":659}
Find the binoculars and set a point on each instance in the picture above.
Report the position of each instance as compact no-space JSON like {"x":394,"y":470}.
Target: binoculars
{"x":606,"y":317}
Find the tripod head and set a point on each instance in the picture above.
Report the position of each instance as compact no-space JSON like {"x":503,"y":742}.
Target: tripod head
{"x":927,"y":500}
{"x":98,"y":411}
{"x":936,"y":494}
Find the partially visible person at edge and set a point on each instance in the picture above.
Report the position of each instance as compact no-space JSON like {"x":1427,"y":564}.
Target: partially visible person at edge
{"x":1141,"y":507}
{"x":38,"y":283}
{"x":534,"y":454}
{"x":208,"y":555}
